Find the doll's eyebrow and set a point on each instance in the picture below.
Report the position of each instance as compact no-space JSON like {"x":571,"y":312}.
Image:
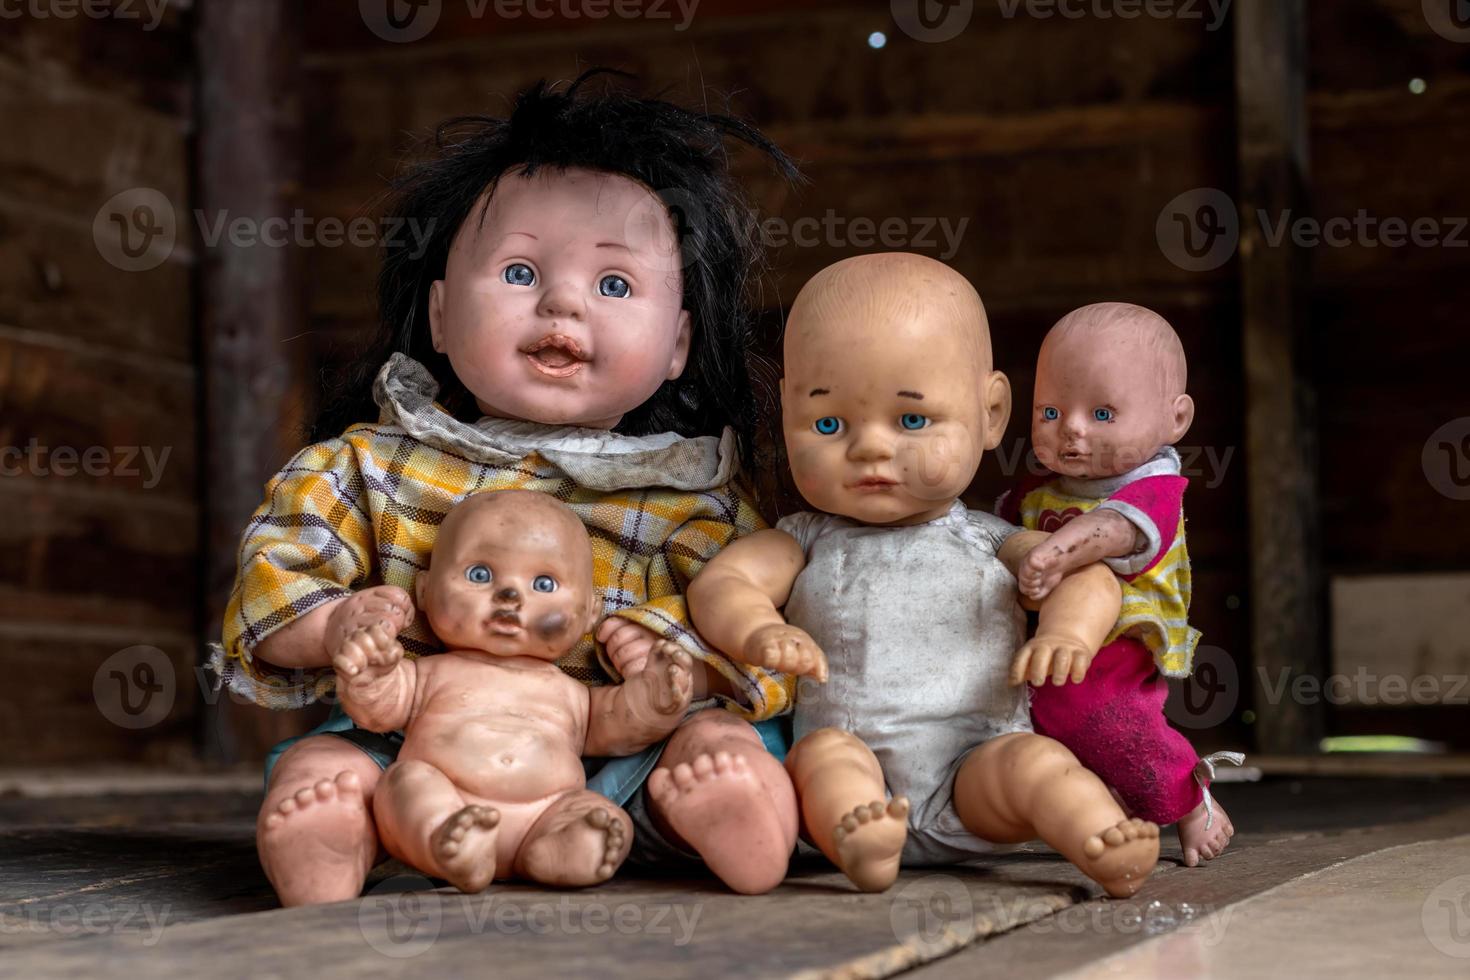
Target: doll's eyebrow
{"x":613,"y":245}
{"x":911,"y":394}
{"x":526,"y":233}
{"x":819,"y":391}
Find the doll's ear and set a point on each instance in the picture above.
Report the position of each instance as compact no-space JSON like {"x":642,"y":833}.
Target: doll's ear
{"x":681,"y":346}
{"x":436,"y":314}
{"x":1182,"y":419}
{"x":995,"y":402}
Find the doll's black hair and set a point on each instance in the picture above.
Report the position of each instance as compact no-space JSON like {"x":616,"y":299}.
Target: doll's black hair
{"x":678,"y":153}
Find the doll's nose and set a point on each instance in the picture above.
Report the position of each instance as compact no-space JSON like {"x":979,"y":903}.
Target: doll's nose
{"x":869,"y":446}
{"x":561,"y":299}
{"x":508,"y":594}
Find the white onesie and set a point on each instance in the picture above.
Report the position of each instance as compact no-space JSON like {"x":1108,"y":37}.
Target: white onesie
{"x":919,"y":625}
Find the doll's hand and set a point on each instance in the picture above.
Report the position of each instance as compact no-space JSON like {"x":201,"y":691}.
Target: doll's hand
{"x":664,"y":685}
{"x":787,"y":648}
{"x":1062,"y":658}
{"x":381,"y":604}
{"x":367,"y":654}
{"x":627,"y":644}
{"x":1041,"y":571}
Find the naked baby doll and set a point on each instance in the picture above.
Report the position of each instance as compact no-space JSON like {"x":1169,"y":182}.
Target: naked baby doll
{"x":903,"y":601}
{"x":1110,"y":403}
{"x":494,"y":731}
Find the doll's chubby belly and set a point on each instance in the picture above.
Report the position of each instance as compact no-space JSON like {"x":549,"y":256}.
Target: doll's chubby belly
{"x":500,"y":735}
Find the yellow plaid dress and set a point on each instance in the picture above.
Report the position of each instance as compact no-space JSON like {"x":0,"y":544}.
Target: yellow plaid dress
{"x":364,"y":509}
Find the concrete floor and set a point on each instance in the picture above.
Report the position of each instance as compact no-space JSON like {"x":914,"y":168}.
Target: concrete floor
{"x":1327,"y":877}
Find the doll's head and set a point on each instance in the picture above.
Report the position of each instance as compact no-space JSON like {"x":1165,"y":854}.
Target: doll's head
{"x":889,"y":399}
{"x":1109,"y":391}
{"x":510,"y":575}
{"x":586,"y":261}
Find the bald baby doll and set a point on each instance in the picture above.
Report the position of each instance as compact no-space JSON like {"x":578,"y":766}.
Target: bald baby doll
{"x":489,"y":781}
{"x":1110,"y":404}
{"x":914,"y":743}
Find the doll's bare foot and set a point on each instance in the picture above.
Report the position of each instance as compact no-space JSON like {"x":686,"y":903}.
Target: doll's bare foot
{"x":1197,"y":842}
{"x":720,"y":808}
{"x":464,"y":847}
{"x":1122,"y":857}
{"x":870,"y":842}
{"x":582,"y":843}
{"x":311,"y":842}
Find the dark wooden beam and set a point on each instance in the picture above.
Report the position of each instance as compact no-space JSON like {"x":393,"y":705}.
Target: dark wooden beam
{"x":248,"y":158}
{"x":1287,"y":597}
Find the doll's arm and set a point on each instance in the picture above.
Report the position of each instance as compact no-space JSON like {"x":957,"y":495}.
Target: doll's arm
{"x":1082,"y":541}
{"x":376,"y":684}
{"x":735,"y":603}
{"x":1075,"y":619}
{"x":628,"y":717}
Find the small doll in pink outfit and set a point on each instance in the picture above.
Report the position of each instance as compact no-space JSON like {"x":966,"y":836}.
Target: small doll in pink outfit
{"x":1109,"y":405}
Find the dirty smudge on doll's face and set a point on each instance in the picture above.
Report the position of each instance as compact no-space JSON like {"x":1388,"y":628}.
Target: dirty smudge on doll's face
{"x":510,"y":575}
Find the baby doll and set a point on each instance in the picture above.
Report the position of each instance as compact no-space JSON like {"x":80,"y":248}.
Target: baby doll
{"x":1110,"y":403}
{"x":557,"y":330}
{"x":903,"y":601}
{"x":493,"y":731}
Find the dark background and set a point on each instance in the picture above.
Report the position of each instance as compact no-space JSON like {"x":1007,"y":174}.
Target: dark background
{"x":1061,"y":140}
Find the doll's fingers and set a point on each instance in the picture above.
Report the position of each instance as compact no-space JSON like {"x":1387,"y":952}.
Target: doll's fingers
{"x":1080,"y":663}
{"x":1061,"y":666}
{"x":819,"y":666}
{"x":1020,"y":665}
{"x":615,"y":632}
{"x":1040,"y":666}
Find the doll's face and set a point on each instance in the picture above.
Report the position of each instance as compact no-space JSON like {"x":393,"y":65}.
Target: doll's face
{"x":511,"y":575}
{"x":888,"y":402}
{"x":1109,"y":396}
{"x":564,"y":305}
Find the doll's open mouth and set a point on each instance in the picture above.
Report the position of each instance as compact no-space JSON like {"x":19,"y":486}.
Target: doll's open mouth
{"x":505,"y":622}
{"x":556,"y":355}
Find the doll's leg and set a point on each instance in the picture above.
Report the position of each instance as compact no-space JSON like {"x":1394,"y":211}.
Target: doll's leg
{"x":426,"y":822}
{"x":315,"y":833}
{"x":1023,"y":786}
{"x":1114,"y":722}
{"x":844,"y":810}
{"x":581,"y":839}
{"x":718,"y":792}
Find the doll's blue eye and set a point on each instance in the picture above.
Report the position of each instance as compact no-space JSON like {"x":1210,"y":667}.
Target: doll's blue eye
{"x":828,"y":425}
{"x":544,"y":583}
{"x":614,"y":286}
{"x":1103,"y":414}
{"x":519,"y":274}
{"x":913,"y":420}
{"x":1050,"y":414}
{"x":479,"y":574}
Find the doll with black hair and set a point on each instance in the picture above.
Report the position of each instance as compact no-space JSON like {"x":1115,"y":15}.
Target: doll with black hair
{"x":577,"y":323}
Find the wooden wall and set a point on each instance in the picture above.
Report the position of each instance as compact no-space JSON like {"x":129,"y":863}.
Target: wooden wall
{"x":96,"y":565}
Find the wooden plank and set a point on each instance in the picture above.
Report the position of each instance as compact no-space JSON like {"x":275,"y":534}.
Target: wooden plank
{"x":1400,"y":640}
{"x":248,"y":58}
{"x":87,"y":419}
{"x":103,"y":693}
{"x":1287,"y":600}
{"x":97,"y":559}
